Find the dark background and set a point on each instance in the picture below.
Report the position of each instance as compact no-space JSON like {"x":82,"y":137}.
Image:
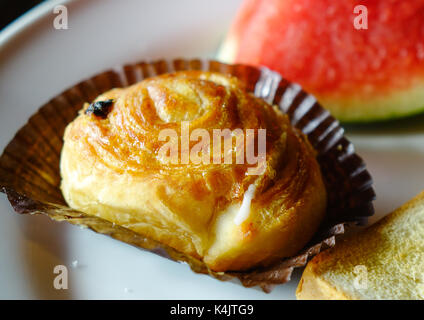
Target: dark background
{"x":12,"y":9}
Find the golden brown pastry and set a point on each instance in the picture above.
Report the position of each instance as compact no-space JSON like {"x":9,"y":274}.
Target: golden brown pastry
{"x":232,"y":215}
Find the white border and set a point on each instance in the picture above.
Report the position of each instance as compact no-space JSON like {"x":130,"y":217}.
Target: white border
{"x":27,"y":19}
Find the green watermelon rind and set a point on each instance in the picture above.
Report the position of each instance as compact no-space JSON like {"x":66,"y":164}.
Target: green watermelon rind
{"x":386,"y":118}
{"x":376,"y":108}
{"x":366,"y":118}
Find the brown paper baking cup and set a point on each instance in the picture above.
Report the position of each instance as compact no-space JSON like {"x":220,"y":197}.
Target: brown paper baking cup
{"x":29,"y":165}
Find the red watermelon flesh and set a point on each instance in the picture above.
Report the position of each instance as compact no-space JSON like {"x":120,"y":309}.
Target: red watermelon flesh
{"x":315,"y":43}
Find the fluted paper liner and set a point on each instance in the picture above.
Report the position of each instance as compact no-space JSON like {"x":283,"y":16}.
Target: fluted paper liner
{"x":29,"y":165}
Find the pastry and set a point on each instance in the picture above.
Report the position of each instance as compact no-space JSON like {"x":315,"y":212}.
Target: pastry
{"x":231,"y":213}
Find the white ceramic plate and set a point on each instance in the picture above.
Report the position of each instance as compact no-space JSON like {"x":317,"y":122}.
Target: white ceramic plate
{"x":37,"y":62}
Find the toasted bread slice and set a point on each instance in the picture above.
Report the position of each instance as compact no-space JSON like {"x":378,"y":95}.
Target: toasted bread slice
{"x":385,"y":261}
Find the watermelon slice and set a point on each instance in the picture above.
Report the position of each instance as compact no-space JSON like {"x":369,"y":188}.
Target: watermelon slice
{"x":358,"y":74}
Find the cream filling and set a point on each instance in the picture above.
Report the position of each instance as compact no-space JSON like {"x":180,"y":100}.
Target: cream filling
{"x":244,"y":210}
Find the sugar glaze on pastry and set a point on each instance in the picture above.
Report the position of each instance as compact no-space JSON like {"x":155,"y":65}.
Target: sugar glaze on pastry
{"x":110,"y":167}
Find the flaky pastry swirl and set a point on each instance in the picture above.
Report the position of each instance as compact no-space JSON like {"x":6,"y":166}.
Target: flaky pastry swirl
{"x":113,"y":166}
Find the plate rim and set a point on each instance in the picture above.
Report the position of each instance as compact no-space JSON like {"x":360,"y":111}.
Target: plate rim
{"x":26,"y":20}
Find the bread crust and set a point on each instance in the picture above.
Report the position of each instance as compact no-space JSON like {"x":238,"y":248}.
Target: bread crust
{"x":385,"y":249}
